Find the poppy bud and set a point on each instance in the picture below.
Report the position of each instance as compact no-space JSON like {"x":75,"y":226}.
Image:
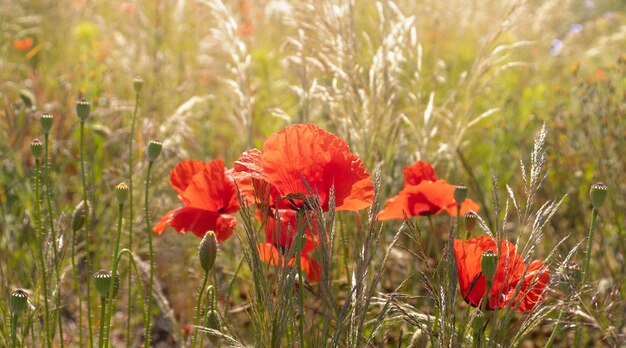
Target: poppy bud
{"x":36,"y":148}
{"x":598,"y":193}
{"x":488,"y":264}
{"x":460,"y":193}
{"x":18,"y":301}
{"x":83,"y":109}
{"x":137,"y":84}
{"x":46,"y":122}
{"x":122,"y":192}
{"x":208,"y":251}
{"x":470,"y":220}
{"x":154,"y":149}
{"x":103,"y":280}
{"x":213,"y":320}
{"x":78,"y":215}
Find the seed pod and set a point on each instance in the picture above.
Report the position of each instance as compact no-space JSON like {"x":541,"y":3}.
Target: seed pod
{"x":208,"y":251}
{"x":46,"y":122}
{"x":488,"y":264}
{"x":460,"y":193}
{"x":154,"y":149}
{"x":18,"y":301}
{"x":103,"y":280}
{"x":36,"y":147}
{"x":122,"y":193}
{"x":598,"y":194}
{"x":137,"y":84}
{"x":78,"y":215}
{"x":83,"y":109}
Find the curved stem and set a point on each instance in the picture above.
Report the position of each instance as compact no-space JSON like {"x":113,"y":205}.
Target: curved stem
{"x":42,"y":261}
{"x":46,"y":182}
{"x":148,"y":314}
{"x":131,"y":214}
{"x":86,"y":225}
{"x":198,"y":304}
{"x":109,"y":306}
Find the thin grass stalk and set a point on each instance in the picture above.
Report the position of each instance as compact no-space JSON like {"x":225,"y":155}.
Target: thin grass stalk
{"x":42,"y":261}
{"x":131,"y":216}
{"x":46,"y":181}
{"x":198,"y":304}
{"x":14,"y":330}
{"x":86,"y":227}
{"x":115,"y":257}
{"x":556,"y":330}
{"x":148,"y":312}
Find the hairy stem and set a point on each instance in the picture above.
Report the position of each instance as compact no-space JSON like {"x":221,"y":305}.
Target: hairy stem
{"x":198,"y":305}
{"x":42,"y":261}
{"x":86,"y":226}
{"x":148,"y":314}
{"x":14,"y":330}
{"x":131,"y":216}
{"x":114,"y":262}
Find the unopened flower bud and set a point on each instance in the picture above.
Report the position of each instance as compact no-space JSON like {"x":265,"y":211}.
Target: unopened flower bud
{"x":154,"y":149}
{"x":470,"y":221}
{"x":460,"y":193}
{"x":122,"y":192}
{"x":103,"y":280}
{"x":36,"y":147}
{"x":83,"y":109}
{"x":488,"y":264}
{"x":207,"y":251}
{"x":137,"y":84}
{"x":78,"y":215}
{"x":46,"y":122}
{"x":18,"y":301}
{"x":213,"y":320}
{"x":598,"y":194}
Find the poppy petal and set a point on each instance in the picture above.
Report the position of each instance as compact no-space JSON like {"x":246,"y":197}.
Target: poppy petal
{"x":198,"y":221}
{"x":418,"y":172}
{"x":183,"y":173}
{"x":211,"y":189}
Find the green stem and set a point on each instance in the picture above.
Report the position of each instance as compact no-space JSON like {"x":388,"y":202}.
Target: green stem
{"x":103,"y":305}
{"x":77,"y":289}
{"x":42,"y":261}
{"x":14,"y":331}
{"x":46,"y":180}
{"x":114,"y":262}
{"x":86,"y":225}
{"x":148,"y":315}
{"x":557,"y":329}
{"x":198,"y":304}
{"x":131,"y":216}
{"x":208,"y":305}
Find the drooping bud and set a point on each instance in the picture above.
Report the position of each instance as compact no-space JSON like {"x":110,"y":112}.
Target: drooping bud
{"x":154,"y":149}
{"x":470,"y":221}
{"x":18,"y":301}
{"x":137,"y":84}
{"x":488,"y":264}
{"x":78,"y":215}
{"x":83,"y":109}
{"x":598,"y":194}
{"x":208,"y":251}
{"x":460,"y":193}
{"x":36,"y":147}
{"x":122,"y":193}
{"x":46,"y":122}
{"x":103,"y":280}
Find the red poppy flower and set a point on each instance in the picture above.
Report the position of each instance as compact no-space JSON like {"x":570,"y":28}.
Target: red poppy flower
{"x":423,"y":195}
{"x":281,"y":232}
{"x":23,"y":44}
{"x":511,"y":271}
{"x":209,"y":194}
{"x":302,"y":155}
{"x":270,"y":254}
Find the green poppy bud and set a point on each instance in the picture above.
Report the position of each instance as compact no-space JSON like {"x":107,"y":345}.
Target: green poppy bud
{"x":213,"y":320}
{"x":208,"y":251}
{"x":488,"y":264}
{"x":103,"y":280}
{"x":154,"y":149}
{"x":83,"y":109}
{"x":36,"y":147}
{"x":137,"y":84}
{"x":122,"y":192}
{"x":460,"y":193}
{"x":18,"y":301}
{"x":598,"y":194}
{"x":46,"y":122}
{"x":78,"y":215}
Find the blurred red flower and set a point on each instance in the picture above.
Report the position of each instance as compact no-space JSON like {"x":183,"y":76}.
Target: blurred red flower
{"x":209,"y":194}
{"x":281,"y":232}
{"x":270,"y":254}
{"x":302,"y":155}
{"x":511,"y":272}
{"x":23,"y":44}
{"x":423,"y":195}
